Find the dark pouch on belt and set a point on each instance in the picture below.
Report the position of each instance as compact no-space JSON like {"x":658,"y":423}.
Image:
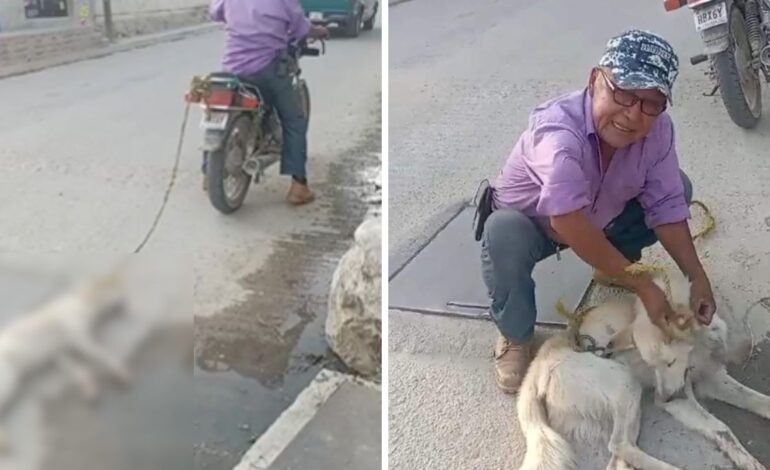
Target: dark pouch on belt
{"x":282,"y":64}
{"x":483,"y":203}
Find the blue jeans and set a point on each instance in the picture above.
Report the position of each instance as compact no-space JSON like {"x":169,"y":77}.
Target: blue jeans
{"x":279,"y":93}
{"x":512,"y":245}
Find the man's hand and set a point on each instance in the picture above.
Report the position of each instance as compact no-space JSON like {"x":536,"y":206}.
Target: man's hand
{"x":656,"y":304}
{"x":318,"y":32}
{"x":676,"y":239}
{"x":702,"y":300}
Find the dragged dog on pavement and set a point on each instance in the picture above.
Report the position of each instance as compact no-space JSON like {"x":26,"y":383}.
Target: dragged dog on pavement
{"x":61,"y":333}
{"x":584,"y":397}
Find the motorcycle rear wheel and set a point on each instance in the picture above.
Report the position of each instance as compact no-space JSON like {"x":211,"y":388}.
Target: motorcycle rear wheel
{"x":228,"y":183}
{"x":739,"y":83}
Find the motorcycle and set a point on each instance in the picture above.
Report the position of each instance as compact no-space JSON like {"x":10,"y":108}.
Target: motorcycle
{"x":242,"y":132}
{"x":736,"y":35}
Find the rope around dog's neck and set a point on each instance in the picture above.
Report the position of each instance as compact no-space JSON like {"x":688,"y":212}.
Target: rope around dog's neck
{"x":575,"y":319}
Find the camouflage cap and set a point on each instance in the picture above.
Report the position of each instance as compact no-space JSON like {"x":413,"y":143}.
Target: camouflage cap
{"x":641,"y":60}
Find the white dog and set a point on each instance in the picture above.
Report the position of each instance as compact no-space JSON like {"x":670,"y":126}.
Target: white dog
{"x":582,"y":396}
{"x":60,"y":333}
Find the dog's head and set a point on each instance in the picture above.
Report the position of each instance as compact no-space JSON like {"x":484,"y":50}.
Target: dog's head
{"x":104,"y":294}
{"x":668,"y":350}
{"x":684,"y":325}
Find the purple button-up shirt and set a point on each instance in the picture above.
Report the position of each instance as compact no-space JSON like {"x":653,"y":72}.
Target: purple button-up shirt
{"x":555,"y":169}
{"x":258,"y":31}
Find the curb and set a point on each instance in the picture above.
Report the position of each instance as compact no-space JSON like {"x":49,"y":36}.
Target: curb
{"x":283,"y":431}
{"x":121,"y":46}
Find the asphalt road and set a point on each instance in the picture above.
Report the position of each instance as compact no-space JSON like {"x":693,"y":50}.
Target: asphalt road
{"x":87,"y":153}
{"x":463,"y":79}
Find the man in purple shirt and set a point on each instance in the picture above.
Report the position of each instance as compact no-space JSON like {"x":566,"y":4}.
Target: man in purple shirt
{"x":258,"y":34}
{"x":596,"y":170}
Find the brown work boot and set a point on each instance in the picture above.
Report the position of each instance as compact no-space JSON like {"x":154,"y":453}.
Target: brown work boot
{"x":511,"y":363}
{"x":299,"y":194}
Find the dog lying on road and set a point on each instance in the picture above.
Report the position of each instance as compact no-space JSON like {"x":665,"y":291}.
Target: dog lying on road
{"x":582,"y":396}
{"x":60,"y":333}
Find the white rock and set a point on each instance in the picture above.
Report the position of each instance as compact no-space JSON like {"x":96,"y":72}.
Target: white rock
{"x":354,"y":322}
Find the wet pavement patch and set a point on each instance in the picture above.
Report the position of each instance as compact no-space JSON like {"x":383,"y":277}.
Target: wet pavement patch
{"x":253,"y":358}
{"x":445,"y":278}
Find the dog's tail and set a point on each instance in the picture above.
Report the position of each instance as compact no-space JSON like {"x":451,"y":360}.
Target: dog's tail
{"x":546,"y":449}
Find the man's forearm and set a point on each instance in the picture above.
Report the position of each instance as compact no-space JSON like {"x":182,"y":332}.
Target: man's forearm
{"x":592,"y":246}
{"x":677,"y":240}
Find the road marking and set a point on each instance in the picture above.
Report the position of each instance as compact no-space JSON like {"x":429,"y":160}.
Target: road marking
{"x":280,"y":434}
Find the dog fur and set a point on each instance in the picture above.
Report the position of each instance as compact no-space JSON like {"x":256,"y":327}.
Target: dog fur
{"x":560,"y":400}
{"x":60,"y":333}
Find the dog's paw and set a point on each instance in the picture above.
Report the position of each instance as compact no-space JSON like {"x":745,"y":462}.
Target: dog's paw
{"x":622,"y":465}
{"x":748,"y":462}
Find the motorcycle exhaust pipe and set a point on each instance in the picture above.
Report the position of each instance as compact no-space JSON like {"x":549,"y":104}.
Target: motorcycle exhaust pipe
{"x":695,"y":60}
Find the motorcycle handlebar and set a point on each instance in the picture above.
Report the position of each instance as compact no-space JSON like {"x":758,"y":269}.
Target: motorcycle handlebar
{"x":304,"y":50}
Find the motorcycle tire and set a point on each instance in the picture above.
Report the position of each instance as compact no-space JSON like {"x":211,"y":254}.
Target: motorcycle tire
{"x":353,"y":24}
{"x":744,"y":105}
{"x":224,"y":198}
{"x":369,"y":24}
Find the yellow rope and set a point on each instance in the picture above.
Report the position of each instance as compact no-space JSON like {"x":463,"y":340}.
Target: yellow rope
{"x":200,"y":87}
{"x":575,"y":319}
{"x":710,"y":220}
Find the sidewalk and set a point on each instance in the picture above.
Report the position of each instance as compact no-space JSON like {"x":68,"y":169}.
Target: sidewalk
{"x":101,"y":50}
{"x":335,"y":423}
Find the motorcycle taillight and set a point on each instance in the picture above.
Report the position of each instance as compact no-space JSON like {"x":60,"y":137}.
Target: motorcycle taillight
{"x":248,"y":100}
{"x":671,"y":5}
{"x":220,"y":97}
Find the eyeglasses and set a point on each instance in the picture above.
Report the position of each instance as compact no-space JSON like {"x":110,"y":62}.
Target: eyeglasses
{"x":628,"y":99}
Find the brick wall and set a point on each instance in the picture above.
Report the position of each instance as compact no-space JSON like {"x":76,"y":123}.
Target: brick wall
{"x":35,"y":46}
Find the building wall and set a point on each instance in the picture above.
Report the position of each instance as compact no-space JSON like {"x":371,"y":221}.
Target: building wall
{"x":12,"y":17}
{"x":138,"y":7}
{"x":130,"y":16}
{"x":135,"y":17}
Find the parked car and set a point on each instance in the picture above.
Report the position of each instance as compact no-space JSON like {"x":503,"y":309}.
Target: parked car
{"x":351,"y":16}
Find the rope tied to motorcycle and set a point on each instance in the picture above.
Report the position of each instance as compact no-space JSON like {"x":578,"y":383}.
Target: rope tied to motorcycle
{"x":200,"y":88}
{"x":575,"y":318}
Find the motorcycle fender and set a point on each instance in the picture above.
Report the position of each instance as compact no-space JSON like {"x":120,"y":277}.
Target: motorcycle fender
{"x":717,"y":38}
{"x":213,"y":140}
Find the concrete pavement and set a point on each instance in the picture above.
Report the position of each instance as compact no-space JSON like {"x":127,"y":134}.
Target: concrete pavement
{"x":463,"y":78}
{"x":335,"y":423}
{"x":88,"y":150}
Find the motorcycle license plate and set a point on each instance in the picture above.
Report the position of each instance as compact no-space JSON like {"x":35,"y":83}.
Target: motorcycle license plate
{"x":710,"y":16}
{"x":316,"y":16}
{"x":214,"y":120}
